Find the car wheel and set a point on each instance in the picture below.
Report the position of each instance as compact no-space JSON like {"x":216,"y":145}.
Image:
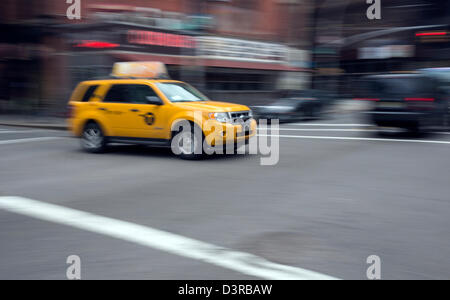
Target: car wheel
{"x":314,"y":111}
{"x":308,"y":112}
{"x":187,"y":143}
{"x":93,"y":139}
{"x":447,"y":121}
{"x":417,"y":129}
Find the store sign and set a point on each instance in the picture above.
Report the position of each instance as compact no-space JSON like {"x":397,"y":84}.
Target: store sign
{"x":153,"y":38}
{"x":236,"y":49}
{"x":385,"y":52}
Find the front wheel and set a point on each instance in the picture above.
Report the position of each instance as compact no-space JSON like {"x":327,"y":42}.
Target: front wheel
{"x":187,"y":142}
{"x":93,"y":139}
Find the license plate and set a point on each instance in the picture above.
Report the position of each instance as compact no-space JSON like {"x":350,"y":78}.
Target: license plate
{"x":246,"y":130}
{"x":391,"y":104}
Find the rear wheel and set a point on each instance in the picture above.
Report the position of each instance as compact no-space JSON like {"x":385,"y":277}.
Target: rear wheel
{"x":418,"y":129}
{"x":93,"y":139}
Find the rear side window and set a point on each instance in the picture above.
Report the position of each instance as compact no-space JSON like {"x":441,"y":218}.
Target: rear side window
{"x":129,"y":93}
{"x":402,"y":86}
{"x":89,"y":93}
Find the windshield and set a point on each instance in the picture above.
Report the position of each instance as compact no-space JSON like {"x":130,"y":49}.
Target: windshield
{"x":180,"y":92}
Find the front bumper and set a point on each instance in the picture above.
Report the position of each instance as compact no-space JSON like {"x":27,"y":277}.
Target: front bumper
{"x":221,"y":134}
{"x":396,"y":118}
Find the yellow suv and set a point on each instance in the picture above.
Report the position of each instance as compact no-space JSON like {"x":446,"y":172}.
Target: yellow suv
{"x":137,"y":107}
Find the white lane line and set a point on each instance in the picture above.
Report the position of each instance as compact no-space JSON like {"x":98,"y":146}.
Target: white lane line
{"x":354,"y":139}
{"x":328,"y":125}
{"x":342,"y":130}
{"x":245,"y":263}
{"x":21,"y":131}
{"x":17,"y":141}
{"x":322,"y":129}
{"x":393,"y":130}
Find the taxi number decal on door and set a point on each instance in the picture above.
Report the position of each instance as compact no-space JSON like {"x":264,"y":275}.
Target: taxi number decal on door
{"x":149,"y":118}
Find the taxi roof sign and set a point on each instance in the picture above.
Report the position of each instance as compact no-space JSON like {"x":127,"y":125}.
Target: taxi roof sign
{"x":145,"y":69}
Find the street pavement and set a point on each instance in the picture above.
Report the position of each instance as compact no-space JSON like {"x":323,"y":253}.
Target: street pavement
{"x":339,"y":194}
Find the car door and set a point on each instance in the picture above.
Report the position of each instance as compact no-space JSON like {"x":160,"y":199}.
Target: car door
{"x":128,"y":113}
{"x":115,"y":109}
{"x":148,"y":121}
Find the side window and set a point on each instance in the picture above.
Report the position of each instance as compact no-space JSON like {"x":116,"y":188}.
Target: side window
{"x":138,"y":93}
{"x":117,"y":94}
{"x":89,"y":92}
{"x":129,"y":93}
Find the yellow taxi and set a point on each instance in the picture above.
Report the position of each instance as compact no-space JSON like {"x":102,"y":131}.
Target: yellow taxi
{"x":140,"y":105}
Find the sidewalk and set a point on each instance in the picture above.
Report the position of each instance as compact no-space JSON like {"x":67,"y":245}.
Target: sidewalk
{"x":53,"y":123}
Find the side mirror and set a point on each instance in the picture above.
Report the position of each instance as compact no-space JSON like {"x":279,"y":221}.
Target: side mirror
{"x":153,"y":100}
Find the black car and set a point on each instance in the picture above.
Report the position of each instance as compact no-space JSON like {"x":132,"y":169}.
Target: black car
{"x":294,"y":106}
{"x":411,"y":101}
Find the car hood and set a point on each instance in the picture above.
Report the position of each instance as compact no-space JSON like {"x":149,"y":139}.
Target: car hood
{"x":212,"y":106}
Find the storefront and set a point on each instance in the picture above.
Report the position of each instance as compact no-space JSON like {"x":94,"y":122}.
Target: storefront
{"x":22,"y":61}
{"x":225,"y":69}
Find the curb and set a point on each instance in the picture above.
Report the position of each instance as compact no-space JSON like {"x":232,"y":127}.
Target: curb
{"x":34,"y":125}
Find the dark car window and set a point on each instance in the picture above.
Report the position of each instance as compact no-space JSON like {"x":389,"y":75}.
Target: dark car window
{"x":129,"y":93}
{"x":407,"y":86}
{"x":89,"y":92}
{"x":138,"y":93}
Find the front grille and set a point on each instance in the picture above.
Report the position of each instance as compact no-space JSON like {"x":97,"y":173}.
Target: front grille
{"x":240,"y":116}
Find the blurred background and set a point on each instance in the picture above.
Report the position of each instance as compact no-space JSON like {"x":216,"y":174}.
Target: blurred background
{"x":246,"y":51}
{"x":338,"y":194}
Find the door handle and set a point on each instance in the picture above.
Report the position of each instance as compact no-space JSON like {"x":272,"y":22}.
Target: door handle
{"x":134,"y":110}
{"x":102,"y":108}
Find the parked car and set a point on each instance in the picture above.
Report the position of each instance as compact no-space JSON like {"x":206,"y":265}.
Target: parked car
{"x":294,"y":106}
{"x":411,"y":101}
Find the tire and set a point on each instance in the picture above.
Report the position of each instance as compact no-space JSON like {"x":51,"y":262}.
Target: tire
{"x":93,"y":139}
{"x":417,"y":130}
{"x":314,"y":112}
{"x":308,"y":112}
{"x":187,"y":142}
{"x":317,"y":111}
{"x":447,"y":121}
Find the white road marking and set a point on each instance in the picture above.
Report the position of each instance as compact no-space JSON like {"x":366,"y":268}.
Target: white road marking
{"x":21,"y":131}
{"x":242,"y":262}
{"x":322,"y":129}
{"x":355,"y":139}
{"x":40,"y":139}
{"x":329,"y":125}
{"x":393,"y":130}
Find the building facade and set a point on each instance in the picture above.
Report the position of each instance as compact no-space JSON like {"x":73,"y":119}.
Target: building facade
{"x":411,"y":34}
{"x":240,"y":50}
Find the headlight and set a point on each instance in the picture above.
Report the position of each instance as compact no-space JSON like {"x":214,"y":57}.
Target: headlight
{"x":220,"y":117}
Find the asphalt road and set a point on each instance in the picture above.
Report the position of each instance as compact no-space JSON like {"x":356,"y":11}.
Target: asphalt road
{"x":338,"y":194}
